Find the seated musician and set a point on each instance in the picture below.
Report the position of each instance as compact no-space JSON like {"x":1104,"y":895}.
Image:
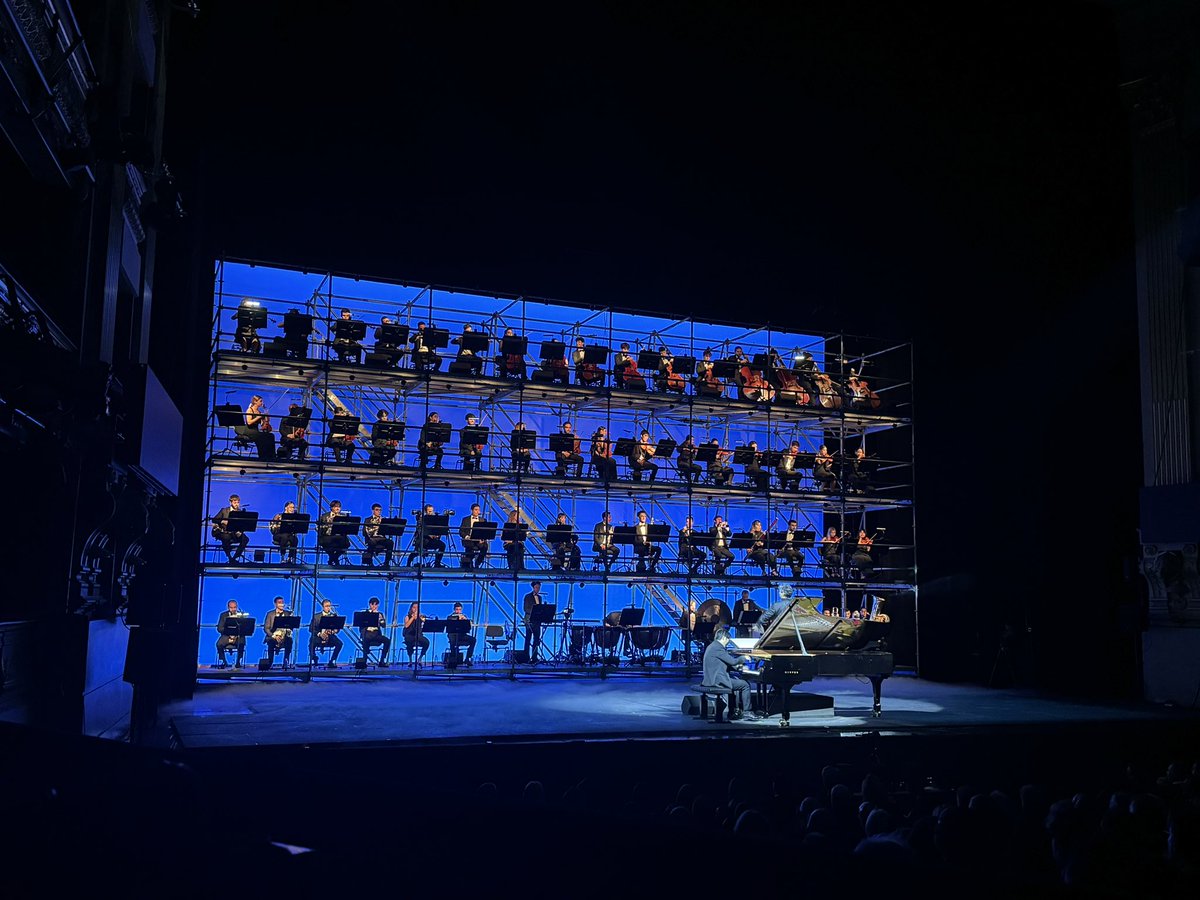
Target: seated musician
{"x":426,"y":447}
{"x":719,"y":663}
{"x":860,"y":559}
{"x":514,"y":547}
{"x":474,"y":551}
{"x":686,"y":462}
{"x":292,"y":437}
{"x":427,"y":542}
{"x":586,"y":374}
{"x":257,"y":429}
{"x":521,"y":456}
{"x":286,"y":541}
{"x":823,"y":470}
{"x":245,"y":336}
{"x":758,"y":552}
{"x":791,"y":553}
{"x":831,"y":553}
{"x":466,"y":361}
{"x":722,"y":555}
{"x":370,"y":635}
{"x":383,"y":451}
{"x":690,"y":552}
{"x":572,"y":457}
{"x":510,"y":365}
{"x":566,"y":553}
{"x":788,"y":468}
{"x":334,"y":545}
{"x":640,"y":458}
{"x":644,"y":548}
{"x":663,"y":371}
{"x":232,"y":542}
{"x":602,"y":541}
{"x":385,"y":345}
{"x":740,"y":361}
{"x":342,"y":445}
{"x":227,"y":642}
{"x":425,"y":357}
{"x":277,"y":639}
{"x":602,"y":458}
{"x":346,"y":348}
{"x":323,"y":637}
{"x":298,"y":327}
{"x":554,"y":371}
{"x":472,"y":454}
{"x":466,"y":640}
{"x":415,"y":642}
{"x":625,"y":370}
{"x":860,"y":472}
{"x":744,"y":609}
{"x":373,"y":541}
{"x":719,"y":469}
{"x":754,"y":471}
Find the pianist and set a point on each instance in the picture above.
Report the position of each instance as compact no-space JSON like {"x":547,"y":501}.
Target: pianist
{"x":718,"y":663}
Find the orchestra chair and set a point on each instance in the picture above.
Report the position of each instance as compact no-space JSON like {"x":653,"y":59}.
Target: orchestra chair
{"x":365,"y":660}
{"x":314,"y":654}
{"x":494,"y":638}
{"x":242,"y":445}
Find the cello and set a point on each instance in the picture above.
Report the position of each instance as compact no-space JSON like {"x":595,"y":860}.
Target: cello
{"x":755,"y":387}
{"x":631,"y":377}
{"x":830,"y":396}
{"x":674,"y":382}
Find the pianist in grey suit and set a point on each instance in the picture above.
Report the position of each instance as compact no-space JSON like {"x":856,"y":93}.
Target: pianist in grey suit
{"x":717,"y":665}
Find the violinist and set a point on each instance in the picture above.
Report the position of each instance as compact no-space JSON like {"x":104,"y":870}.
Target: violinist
{"x":413,"y":634}
{"x":510,"y":365}
{"x":472,"y":454}
{"x":566,"y":552}
{"x":374,"y":541}
{"x":426,"y":541}
{"x":790,"y":552}
{"x":861,"y":559}
{"x":428,"y":447}
{"x":474,"y":553}
{"x":689,"y":551}
{"x":602,"y":541}
{"x":257,"y":429}
{"x":722,"y":555}
{"x":831,"y":552}
{"x":754,"y":470}
{"x":686,"y":462}
{"x":323,"y":637}
{"x":342,"y":445}
{"x":292,"y":435}
{"x":625,"y":368}
{"x":346,"y":347}
{"x":788,"y":468}
{"x":758,"y":552}
{"x":719,"y":469}
{"x":586,"y":373}
{"x":286,"y":541}
{"x":602,"y":457}
{"x":424,"y":356}
{"x":521,"y":456}
{"x":383,"y":452}
{"x":370,"y":635}
{"x":640,"y":458}
{"x":572,"y":457}
{"x":245,"y":336}
{"x":334,"y":545}
{"x":232,"y":542}
{"x":277,"y":639}
{"x":466,"y":360}
{"x":860,"y":473}
{"x":823,"y":470}
{"x":514,"y":547}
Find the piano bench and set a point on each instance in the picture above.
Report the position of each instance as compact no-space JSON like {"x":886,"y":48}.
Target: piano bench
{"x":721,"y":700}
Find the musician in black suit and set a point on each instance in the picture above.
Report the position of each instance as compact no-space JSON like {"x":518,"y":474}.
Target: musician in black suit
{"x":758,"y":552}
{"x":426,"y":542}
{"x":323,"y":638}
{"x":277,"y":639}
{"x":722,"y":555}
{"x":383,"y":451}
{"x":719,"y":663}
{"x":514,"y":548}
{"x":745,"y":607}
{"x":644,"y":548}
{"x":386,"y":345}
{"x":602,"y":541}
{"x":689,"y":552}
{"x":719,"y":470}
{"x":232,"y":542}
{"x":686,"y":462}
{"x":641,"y":458}
{"x":370,"y":635}
{"x":823,"y":470}
{"x":566,"y":553}
{"x":474,"y":551}
{"x":791,"y":553}
{"x":426,"y":447}
{"x":424,"y":357}
{"x":286,"y":541}
{"x":334,"y":545}
{"x":788,"y":468}
{"x":245,"y":336}
{"x":602,"y":458}
{"x":227,"y":642}
{"x":755,"y":471}
{"x":345,"y":348}
{"x":472,"y":454}
{"x":567,"y":458}
{"x":374,"y":541}
{"x":860,"y":472}
{"x":292,"y":437}
{"x":521,"y":456}
{"x":466,"y":641}
{"x":342,"y":445}
{"x":533,"y":630}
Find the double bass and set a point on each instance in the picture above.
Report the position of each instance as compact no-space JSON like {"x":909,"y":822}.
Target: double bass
{"x":828,"y":392}
{"x":789,"y":387}
{"x":862,"y":395}
{"x":754,"y":386}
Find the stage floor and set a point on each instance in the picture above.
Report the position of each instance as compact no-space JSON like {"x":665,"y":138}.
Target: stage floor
{"x":389,"y":711}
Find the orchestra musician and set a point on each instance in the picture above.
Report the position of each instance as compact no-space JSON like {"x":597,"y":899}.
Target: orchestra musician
{"x":688,"y":620}
{"x":666,"y":379}
{"x":370,"y":635}
{"x":514,"y":547}
{"x":860,"y":472}
{"x":257,"y":429}
{"x":744,"y":609}
{"x":741,"y":364}
{"x":823,"y":470}
{"x":286,"y":541}
{"x":277,"y":639}
{"x":647,"y":552}
{"x":686,"y":462}
{"x":334,"y":545}
{"x":245,"y":336}
{"x":566,"y":553}
{"x":718,"y":664}
{"x":466,"y":360}
{"x":298,"y":327}
{"x":602,"y":455}
{"x":831,"y":552}
{"x":427,"y":447}
{"x":586,"y":373}
{"x":232,"y":542}
{"x":342,"y":445}
{"x":722,"y":555}
{"x":425,"y":357}
{"x":510,"y":365}
{"x":689,"y":552}
{"x":640,"y":458}
{"x":572,"y":457}
{"x":414,"y":635}
{"x":374,"y":542}
{"x":755,"y":386}
{"x":805,"y":369}
{"x":625,"y":369}
{"x":719,"y":469}
{"x":533,"y":630}
{"x":860,"y":559}
{"x":788,"y":467}
{"x":387,"y":345}
{"x":474,"y":550}
{"x":227,"y":642}
{"x":323,"y":637}
{"x":345,"y":348}
{"x":521,"y":456}
{"x":472,"y":454}
{"x":383,"y":451}
{"x":466,"y":640}
{"x":758,"y":552}
{"x":554,"y":371}
{"x":706,"y":380}
{"x":754,"y":470}
{"x":602,"y":541}
{"x":790,"y":553}
{"x":292,"y":436}
{"x":426,"y":542}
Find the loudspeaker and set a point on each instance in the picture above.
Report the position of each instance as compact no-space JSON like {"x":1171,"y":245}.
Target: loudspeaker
{"x":264,"y":664}
{"x":517,"y":657}
{"x":690,"y":705}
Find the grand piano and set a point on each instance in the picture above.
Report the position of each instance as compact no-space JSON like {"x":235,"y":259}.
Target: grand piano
{"x":801,"y":644}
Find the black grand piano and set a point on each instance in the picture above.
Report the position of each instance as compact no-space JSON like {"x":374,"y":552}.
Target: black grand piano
{"x":801,"y":644}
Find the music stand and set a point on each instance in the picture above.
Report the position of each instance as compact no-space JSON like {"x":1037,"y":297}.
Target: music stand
{"x":230,"y":415}
{"x":760,"y":362}
{"x":475,"y":341}
{"x":392,"y":336}
{"x":344,"y":425}
{"x":436,"y":337}
{"x":388,"y":431}
{"x":771,"y":458}
{"x":474,"y":434}
{"x":742,"y":540}
{"x":290,"y":622}
{"x":300,"y":419}
{"x":659,"y":534}
{"x":242,"y":520}
{"x":513,"y":345}
{"x":393,"y":526}
{"x":515,"y":531}
{"x":252,"y":316}
{"x":483,"y":531}
{"x":553,"y":350}
{"x":522,"y":439}
{"x":743,"y":455}
{"x":542,"y":613}
{"x":631,"y":617}
{"x":648,"y":360}
{"x":297,"y":326}
{"x":563,"y":442}
{"x":330,"y":623}
{"x":624,"y":446}
{"x":684,"y":365}
{"x":724,"y":368}
{"x":706,"y":453}
{"x":559,"y":534}
{"x":346,"y":524}
{"x":665,"y":449}
{"x":239,"y":626}
{"x":455,"y":629}
{"x":595,"y":354}
{"x":704,"y":631}
{"x":623,"y":535}
{"x":349,"y":329}
{"x":293,"y":523}
{"x":436,"y":432}
{"x":436,"y":525}
{"x":434,"y":626}
{"x":364,"y":618}
{"x":747,"y":616}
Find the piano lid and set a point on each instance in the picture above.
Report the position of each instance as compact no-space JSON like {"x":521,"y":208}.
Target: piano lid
{"x":801,"y":628}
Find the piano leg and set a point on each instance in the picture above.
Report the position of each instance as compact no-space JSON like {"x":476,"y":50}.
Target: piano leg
{"x":876,"y":685}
